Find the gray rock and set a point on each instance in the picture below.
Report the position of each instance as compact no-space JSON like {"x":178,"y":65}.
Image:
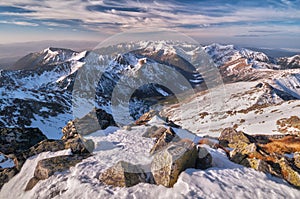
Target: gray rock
{"x":230,"y":138}
{"x":125,"y":174}
{"x":204,"y":158}
{"x":170,"y":162}
{"x":164,"y":138}
{"x":80,"y":145}
{"x":47,"y":167}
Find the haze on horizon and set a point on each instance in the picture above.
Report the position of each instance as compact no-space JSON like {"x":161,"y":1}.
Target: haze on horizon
{"x":269,"y":24}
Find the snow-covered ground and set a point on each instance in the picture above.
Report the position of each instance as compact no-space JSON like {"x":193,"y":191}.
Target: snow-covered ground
{"x":224,"y":180}
{"x":231,"y":104}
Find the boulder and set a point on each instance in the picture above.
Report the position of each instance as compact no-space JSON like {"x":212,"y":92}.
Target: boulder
{"x":204,"y":158}
{"x":17,"y":140}
{"x":47,"y":167}
{"x":125,"y":174}
{"x":164,"y":137}
{"x":80,"y":145}
{"x":95,"y":120}
{"x":171,"y":161}
{"x":230,"y":138}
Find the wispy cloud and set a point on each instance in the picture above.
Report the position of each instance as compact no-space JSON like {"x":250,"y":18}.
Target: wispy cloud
{"x":20,"y":23}
{"x":248,"y":18}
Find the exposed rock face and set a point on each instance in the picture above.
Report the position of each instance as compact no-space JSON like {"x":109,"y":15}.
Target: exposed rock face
{"x":266,"y":153}
{"x":47,"y":167}
{"x":170,"y":162}
{"x":125,"y":174}
{"x":230,"y":137}
{"x":289,"y":172}
{"x":16,"y":140}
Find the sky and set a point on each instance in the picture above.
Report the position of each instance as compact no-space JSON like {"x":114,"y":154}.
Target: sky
{"x":256,"y":23}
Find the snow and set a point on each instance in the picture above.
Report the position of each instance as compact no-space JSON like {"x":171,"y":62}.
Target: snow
{"x":237,"y":96}
{"x":161,"y":91}
{"x":51,"y":126}
{"x":6,"y":162}
{"x":224,"y":180}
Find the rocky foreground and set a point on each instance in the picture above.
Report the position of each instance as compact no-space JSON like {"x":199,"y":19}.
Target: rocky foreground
{"x":171,"y":153}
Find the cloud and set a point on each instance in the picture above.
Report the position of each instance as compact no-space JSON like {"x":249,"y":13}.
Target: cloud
{"x":196,"y":18}
{"x":19,"y":23}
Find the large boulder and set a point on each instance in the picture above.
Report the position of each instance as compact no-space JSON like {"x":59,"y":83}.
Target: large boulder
{"x":95,"y":120}
{"x":170,"y":162}
{"x":16,"y":140}
{"x":47,"y":167}
{"x":230,"y":137}
{"x":125,"y":174}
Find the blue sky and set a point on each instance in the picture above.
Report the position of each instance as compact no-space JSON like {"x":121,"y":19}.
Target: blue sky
{"x":274,"y":24}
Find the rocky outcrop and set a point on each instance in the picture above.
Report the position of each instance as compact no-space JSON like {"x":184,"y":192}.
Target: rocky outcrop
{"x":14,"y":142}
{"x":230,"y":137}
{"x":47,"y":167}
{"x":170,"y":162}
{"x":266,"y":153}
{"x":125,"y":174}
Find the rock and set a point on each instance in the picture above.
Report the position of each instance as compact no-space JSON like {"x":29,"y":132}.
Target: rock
{"x":80,"y":145}
{"x":17,"y":140}
{"x":47,"y":167}
{"x":264,"y":166}
{"x":290,"y":173}
{"x":204,"y":158}
{"x":170,"y":162}
{"x":69,"y":131}
{"x":125,"y":174}
{"x":31,"y":183}
{"x":146,"y":117}
{"x":6,"y":174}
{"x":43,"y":146}
{"x":230,"y":138}
{"x":95,"y":120}
{"x":297,"y":159}
{"x":164,"y":137}
{"x":154,"y":132}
